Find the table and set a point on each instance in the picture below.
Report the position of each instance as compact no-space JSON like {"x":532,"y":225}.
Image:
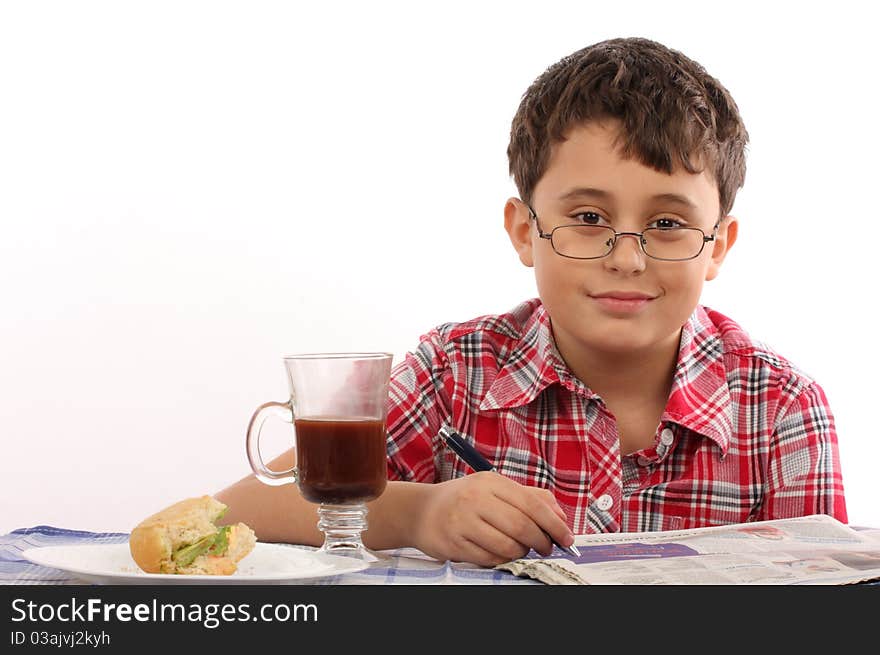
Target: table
{"x":405,"y":566}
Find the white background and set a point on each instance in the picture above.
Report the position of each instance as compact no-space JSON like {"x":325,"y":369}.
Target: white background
{"x":189,"y":191}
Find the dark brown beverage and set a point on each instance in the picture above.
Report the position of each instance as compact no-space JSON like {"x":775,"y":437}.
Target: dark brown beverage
{"x":340,"y":460}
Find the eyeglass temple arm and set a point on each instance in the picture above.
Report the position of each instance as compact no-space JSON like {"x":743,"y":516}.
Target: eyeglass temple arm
{"x":714,"y":231}
{"x":534,"y":217}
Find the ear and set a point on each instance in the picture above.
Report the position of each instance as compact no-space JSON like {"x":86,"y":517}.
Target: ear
{"x":724,"y":240}
{"x":519,"y":229}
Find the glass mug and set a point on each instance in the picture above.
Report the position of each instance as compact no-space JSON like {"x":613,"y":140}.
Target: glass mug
{"x":338,"y":405}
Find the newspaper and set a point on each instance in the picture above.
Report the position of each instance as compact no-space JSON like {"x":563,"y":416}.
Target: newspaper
{"x":815,"y":549}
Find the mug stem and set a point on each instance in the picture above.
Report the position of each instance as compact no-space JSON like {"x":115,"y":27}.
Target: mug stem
{"x":342,"y":526}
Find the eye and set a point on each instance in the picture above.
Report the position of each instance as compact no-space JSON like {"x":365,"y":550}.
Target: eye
{"x":666,"y":223}
{"x":589,"y":218}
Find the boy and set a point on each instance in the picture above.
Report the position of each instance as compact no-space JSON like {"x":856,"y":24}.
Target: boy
{"x":614,"y":402}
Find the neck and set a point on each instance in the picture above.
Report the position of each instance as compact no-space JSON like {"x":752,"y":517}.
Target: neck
{"x":629,"y":374}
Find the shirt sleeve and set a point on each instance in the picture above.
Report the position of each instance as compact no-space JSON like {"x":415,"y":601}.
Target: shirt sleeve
{"x":418,"y":404}
{"x":803,"y":475}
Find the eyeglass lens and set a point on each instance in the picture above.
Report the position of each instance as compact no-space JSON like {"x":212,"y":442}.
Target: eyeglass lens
{"x":592,"y":241}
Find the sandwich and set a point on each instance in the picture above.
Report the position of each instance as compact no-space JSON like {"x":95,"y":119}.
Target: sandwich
{"x":184,"y":539}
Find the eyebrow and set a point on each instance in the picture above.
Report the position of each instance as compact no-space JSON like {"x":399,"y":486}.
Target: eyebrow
{"x":605,"y":195}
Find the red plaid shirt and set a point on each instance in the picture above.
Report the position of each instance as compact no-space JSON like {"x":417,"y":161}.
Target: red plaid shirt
{"x":745,"y":435}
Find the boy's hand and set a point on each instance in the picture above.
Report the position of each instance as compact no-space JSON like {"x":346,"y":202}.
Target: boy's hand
{"x":488,"y":519}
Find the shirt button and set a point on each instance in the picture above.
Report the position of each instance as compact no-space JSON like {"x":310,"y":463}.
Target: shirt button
{"x":604,"y":502}
{"x":643,"y":461}
{"x":666,"y":437}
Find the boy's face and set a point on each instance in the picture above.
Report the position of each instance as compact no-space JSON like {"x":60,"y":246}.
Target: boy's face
{"x":587,"y":299}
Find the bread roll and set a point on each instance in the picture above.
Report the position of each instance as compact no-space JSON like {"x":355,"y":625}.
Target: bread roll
{"x":183,"y":539}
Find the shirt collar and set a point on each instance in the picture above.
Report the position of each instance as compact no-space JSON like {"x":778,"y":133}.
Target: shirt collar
{"x":532,"y":365}
{"x":699,"y":399}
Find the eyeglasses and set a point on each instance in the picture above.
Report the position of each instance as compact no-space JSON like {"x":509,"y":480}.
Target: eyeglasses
{"x":673,"y":244}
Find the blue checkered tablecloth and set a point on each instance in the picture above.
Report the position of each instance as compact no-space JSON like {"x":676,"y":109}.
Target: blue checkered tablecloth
{"x":405,"y":566}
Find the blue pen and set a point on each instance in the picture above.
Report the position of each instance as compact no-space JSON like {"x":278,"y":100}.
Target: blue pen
{"x":476,"y":461}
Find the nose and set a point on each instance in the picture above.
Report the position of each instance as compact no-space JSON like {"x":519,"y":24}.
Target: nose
{"x":627,"y":255}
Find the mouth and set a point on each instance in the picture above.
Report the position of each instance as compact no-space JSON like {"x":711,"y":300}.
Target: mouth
{"x":622,"y":302}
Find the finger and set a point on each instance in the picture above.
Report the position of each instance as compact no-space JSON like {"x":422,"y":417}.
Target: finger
{"x":464,"y":522}
{"x":490,"y":547}
{"x":550,"y":499}
{"x":545,"y":495}
{"x":532,"y":503}
{"x":498,"y":545}
{"x":469,"y":551}
{"x":516,"y":526}
{"x":499,"y":541}
{"x":496,"y":510}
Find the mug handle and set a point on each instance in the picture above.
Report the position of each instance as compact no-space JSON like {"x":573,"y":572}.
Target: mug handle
{"x":266,"y":475}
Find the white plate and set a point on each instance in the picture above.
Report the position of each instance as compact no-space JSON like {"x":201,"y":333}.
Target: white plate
{"x":266,"y":564}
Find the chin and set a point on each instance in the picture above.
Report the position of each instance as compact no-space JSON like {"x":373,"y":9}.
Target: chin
{"x":614,"y":337}
{"x":619,"y":344}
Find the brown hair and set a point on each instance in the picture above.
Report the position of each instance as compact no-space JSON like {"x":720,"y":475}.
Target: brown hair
{"x":670,"y":109}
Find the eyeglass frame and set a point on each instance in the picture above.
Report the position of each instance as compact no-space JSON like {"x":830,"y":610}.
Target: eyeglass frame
{"x":640,"y":235}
